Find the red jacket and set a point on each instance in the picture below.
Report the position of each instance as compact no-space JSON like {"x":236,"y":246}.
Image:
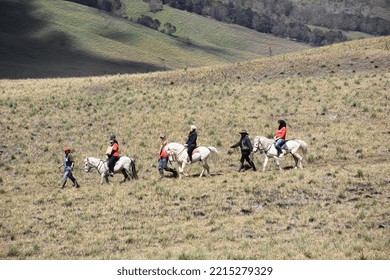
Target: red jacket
{"x":163,"y":152}
{"x":115,"y":150}
{"x":281,"y":133}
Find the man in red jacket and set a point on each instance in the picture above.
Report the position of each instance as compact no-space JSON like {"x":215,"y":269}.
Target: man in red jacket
{"x":280,"y":137}
{"x":163,"y":158}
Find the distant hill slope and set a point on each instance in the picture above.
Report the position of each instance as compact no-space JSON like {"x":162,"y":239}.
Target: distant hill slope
{"x":291,"y":18}
{"x":59,"y":38}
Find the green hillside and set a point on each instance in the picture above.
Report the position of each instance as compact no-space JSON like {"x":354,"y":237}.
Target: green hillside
{"x":62,"y":39}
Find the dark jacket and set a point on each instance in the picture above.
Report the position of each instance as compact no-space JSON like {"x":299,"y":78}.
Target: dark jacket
{"x":244,"y":144}
{"x":191,"y":141}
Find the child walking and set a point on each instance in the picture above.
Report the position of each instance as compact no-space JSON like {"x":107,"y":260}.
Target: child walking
{"x":68,"y":167}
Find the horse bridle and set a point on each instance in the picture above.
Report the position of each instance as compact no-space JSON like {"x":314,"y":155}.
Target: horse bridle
{"x":97,"y":167}
{"x":262,"y":148}
{"x":175,"y":156}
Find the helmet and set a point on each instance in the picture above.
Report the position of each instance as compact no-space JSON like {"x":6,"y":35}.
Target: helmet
{"x":67,"y":149}
{"x":193,"y":127}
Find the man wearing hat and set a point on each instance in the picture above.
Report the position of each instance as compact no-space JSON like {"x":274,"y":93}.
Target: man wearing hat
{"x":191,"y":142}
{"x":163,"y":158}
{"x":68,"y":167}
{"x":246,"y":149}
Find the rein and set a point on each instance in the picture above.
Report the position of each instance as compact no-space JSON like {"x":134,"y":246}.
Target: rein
{"x":176,"y":155}
{"x":101,"y":162}
{"x":262,"y":147}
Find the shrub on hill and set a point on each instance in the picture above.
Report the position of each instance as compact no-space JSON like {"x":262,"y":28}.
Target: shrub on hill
{"x":105,"y":5}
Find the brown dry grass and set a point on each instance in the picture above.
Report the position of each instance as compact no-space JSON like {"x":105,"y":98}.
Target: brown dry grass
{"x":335,"y":98}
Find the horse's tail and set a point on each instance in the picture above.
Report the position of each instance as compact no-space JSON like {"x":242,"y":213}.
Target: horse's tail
{"x":212,"y":149}
{"x":133,"y":169}
{"x":303,"y":146}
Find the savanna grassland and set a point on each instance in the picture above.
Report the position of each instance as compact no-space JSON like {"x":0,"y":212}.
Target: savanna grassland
{"x":335,"y":98}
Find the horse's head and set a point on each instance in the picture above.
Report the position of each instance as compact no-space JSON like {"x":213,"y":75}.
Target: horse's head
{"x":171,"y":155}
{"x":87,"y":165}
{"x":256,"y":144}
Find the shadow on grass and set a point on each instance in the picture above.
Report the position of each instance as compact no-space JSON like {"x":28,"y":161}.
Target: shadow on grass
{"x":22,"y":56}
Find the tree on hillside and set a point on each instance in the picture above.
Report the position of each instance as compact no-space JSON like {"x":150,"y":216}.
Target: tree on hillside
{"x":155,"y":5}
{"x":261,"y":23}
{"x":89,"y":3}
{"x":149,"y":22}
{"x":168,"y":28}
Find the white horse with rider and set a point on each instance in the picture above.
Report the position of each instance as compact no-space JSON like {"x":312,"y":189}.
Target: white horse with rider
{"x":178,"y":153}
{"x":267,"y":146}
{"x":124,"y":165}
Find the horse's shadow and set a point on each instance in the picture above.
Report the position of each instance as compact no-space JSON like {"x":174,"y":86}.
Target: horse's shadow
{"x":211,"y":175}
{"x":289,"y":167}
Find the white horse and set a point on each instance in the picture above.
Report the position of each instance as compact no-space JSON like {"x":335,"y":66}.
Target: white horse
{"x":125,"y":165}
{"x":178,"y":152}
{"x":267,"y":146}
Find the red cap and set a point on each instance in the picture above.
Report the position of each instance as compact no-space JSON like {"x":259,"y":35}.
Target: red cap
{"x":66,"y":149}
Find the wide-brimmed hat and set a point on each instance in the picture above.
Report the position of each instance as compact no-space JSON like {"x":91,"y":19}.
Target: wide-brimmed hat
{"x":193,"y":127}
{"x":112,"y":137}
{"x":243,"y":132}
{"x":162,"y":136}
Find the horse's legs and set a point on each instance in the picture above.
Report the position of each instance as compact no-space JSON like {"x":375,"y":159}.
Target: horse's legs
{"x":181,"y":168}
{"x":299,"y":161}
{"x":124,"y":172}
{"x":265,"y":162}
{"x":207,"y":168}
{"x":296,"y":160}
{"x":277,"y":163}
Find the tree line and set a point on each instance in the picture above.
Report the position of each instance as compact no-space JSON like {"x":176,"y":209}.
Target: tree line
{"x":284,"y":19}
{"x":281,"y":18}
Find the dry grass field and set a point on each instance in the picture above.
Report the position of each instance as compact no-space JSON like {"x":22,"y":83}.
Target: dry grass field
{"x":335,"y":98}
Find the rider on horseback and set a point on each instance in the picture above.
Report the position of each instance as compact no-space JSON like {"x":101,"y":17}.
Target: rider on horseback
{"x":191,"y":142}
{"x":112,"y":154}
{"x":280,"y":137}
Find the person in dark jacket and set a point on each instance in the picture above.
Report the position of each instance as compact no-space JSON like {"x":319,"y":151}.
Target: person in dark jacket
{"x":191,"y":142}
{"x":246,"y":149}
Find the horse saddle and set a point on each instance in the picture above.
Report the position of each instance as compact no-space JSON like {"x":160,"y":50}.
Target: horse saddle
{"x":196,"y":150}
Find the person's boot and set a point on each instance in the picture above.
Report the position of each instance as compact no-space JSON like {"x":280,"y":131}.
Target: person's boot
{"x":63,"y":182}
{"x":174,"y":172}
{"x":161,"y":174}
{"x":241,"y":167}
{"x":76,"y":185}
{"x":253,"y":166}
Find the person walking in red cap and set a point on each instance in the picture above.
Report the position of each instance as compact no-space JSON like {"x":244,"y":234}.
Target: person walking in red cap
{"x":68,"y":165}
